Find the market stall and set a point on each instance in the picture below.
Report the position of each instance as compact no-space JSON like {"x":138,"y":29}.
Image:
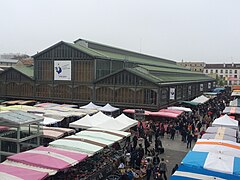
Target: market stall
{"x":225,"y":121}
{"x":180,"y":108}
{"x":91,"y":105}
{"x":212,"y":161}
{"x":235,"y":103}
{"x":218,"y":146}
{"x":9,"y":172}
{"x":232,"y":110}
{"x":76,"y":144}
{"x":48,"y":157}
{"x":219,"y":137}
{"x":54,"y":133}
{"x":90,"y":121}
{"x":222,"y":131}
{"x":193,"y":173}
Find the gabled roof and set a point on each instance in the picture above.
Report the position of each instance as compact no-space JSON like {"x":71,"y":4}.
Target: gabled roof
{"x":27,"y":71}
{"x":126,"y":55}
{"x":163,"y":77}
{"x":86,"y":50}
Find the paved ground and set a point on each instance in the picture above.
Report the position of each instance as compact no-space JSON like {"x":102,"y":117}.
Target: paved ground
{"x":175,"y":150}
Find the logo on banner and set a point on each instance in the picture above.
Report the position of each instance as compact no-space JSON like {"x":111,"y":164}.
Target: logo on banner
{"x":201,"y":87}
{"x":172,"y":93}
{"x":62,"y":70}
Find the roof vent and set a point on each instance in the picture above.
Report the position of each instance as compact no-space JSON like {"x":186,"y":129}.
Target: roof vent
{"x":82,"y":42}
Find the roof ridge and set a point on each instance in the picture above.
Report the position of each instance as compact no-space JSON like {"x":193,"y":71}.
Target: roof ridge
{"x":87,"y":48}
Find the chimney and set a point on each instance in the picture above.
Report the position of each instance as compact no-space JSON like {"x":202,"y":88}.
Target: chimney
{"x":232,"y":64}
{"x":224,"y":65}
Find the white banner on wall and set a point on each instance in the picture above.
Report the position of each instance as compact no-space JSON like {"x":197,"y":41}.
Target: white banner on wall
{"x":172,"y":93}
{"x":62,"y":70}
{"x":201,"y":87}
{"x":209,"y":86}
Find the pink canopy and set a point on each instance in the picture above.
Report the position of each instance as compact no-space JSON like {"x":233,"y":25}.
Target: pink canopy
{"x":132,"y":111}
{"x":3,"y":128}
{"x":49,"y":157}
{"x":11,"y":172}
{"x":164,"y":114}
{"x":171,"y":111}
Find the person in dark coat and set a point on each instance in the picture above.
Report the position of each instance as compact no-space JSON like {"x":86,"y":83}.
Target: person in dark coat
{"x":189,"y":140}
{"x":174,"y":169}
{"x":135,"y":139}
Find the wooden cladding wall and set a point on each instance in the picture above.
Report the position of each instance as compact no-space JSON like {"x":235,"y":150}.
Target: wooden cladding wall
{"x":19,"y":89}
{"x":43,"y":90}
{"x":62,"y":51}
{"x":83,"y":71}
{"x":13,"y":75}
{"x":83,"y":92}
{"x":62,"y":91}
{"x":44,"y":70}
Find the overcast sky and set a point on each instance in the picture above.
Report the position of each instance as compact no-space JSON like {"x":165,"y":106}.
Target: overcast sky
{"x":192,"y":30}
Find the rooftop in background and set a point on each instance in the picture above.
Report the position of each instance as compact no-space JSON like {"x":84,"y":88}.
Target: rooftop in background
{"x":223,"y":66}
{"x":14,"y":61}
{"x":17,"y":118}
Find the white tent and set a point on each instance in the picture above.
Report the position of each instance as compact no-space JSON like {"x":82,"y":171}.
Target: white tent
{"x":218,"y":146}
{"x":90,"y":106}
{"x":180,"y":108}
{"x":126,"y":120}
{"x":113,"y":125}
{"x":235,"y":93}
{"x":108,"y":108}
{"x":48,"y":121}
{"x":201,"y":99}
{"x":90,"y":121}
{"x":225,"y":121}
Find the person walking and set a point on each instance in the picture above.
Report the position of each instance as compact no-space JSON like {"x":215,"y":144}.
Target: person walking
{"x":163,"y":169}
{"x":172,"y":132}
{"x":189,"y":140}
{"x":149,"y":168}
{"x":146,"y":145}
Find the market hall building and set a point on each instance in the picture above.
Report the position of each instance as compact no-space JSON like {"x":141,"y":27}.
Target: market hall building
{"x":86,"y":71}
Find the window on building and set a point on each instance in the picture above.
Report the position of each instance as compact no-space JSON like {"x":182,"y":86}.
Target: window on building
{"x":221,"y":76}
{"x":211,"y":71}
{"x":206,"y":71}
{"x":221,"y":71}
{"x":230,"y":71}
{"x":235,"y":76}
{"x":226,"y":71}
{"x":216,"y":71}
{"x":235,"y":71}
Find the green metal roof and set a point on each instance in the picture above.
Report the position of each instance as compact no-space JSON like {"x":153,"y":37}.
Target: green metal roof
{"x":86,"y":50}
{"x":169,"y":69}
{"x":26,"y":70}
{"x":163,"y":77}
{"x":139,"y":60}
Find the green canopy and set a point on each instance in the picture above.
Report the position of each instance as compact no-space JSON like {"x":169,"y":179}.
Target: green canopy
{"x":190,"y":103}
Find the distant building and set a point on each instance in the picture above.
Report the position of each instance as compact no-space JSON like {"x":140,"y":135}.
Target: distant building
{"x":228,"y":72}
{"x":8,"y":62}
{"x":86,"y":71}
{"x":193,"y":66}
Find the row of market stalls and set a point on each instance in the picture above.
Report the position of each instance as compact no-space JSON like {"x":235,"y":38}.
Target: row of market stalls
{"x":60,"y":156}
{"x":100,"y":120}
{"x":215,"y":156}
